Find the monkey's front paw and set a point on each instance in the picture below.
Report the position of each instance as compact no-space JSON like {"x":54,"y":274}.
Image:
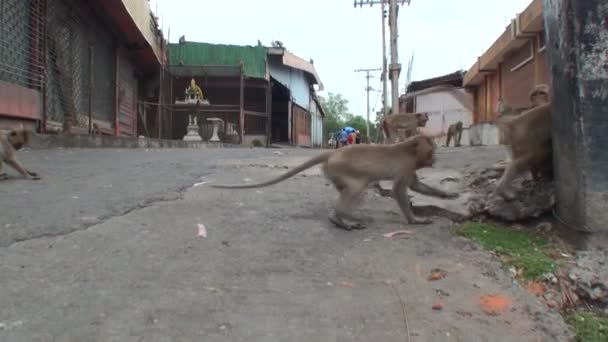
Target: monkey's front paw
{"x":451,"y":195}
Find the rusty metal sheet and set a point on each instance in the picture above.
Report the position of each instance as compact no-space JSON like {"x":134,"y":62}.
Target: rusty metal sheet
{"x":20,"y":102}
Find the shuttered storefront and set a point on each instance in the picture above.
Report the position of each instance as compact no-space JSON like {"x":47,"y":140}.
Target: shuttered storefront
{"x":127,"y":97}
{"x":80,"y":67}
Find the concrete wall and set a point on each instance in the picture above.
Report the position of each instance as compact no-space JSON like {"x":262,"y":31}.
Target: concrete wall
{"x":316,"y":122}
{"x":577,"y":41}
{"x":293,"y":79}
{"x":483,"y":133}
{"x":445,"y":109}
{"x":248,"y":139}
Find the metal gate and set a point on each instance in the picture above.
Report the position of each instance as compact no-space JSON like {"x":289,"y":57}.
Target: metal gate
{"x":21,"y":58}
{"x":127,"y":98}
{"x":80,"y":67}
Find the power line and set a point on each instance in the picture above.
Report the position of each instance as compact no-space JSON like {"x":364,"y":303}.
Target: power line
{"x":367,"y":90}
{"x":395,"y":67}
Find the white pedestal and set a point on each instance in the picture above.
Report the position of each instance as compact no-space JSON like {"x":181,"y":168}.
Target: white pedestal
{"x":192,"y":134}
{"x":216,"y":127}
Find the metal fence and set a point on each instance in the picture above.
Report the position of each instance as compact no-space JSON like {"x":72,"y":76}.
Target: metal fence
{"x":22,"y":42}
{"x":80,"y":66}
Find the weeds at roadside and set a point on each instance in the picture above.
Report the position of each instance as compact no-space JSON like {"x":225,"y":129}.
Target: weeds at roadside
{"x":530,"y":254}
{"x":589,"y":326}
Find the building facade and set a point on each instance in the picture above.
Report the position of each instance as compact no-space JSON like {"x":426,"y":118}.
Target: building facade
{"x":514,"y":64}
{"x":66,"y":65}
{"x":444,"y":99}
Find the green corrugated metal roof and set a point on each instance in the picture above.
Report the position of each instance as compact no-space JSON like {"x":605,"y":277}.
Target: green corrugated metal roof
{"x":193,"y":53}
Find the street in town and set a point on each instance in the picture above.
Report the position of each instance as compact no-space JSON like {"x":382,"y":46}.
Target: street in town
{"x":140,"y":249}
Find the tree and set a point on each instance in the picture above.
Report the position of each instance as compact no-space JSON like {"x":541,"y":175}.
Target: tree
{"x":339,"y":116}
{"x":336,"y":108}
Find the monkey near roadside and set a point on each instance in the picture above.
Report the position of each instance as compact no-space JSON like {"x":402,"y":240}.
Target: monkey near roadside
{"x":11,"y":141}
{"x":455,"y":132}
{"x":351,"y":169}
{"x":398,"y":127}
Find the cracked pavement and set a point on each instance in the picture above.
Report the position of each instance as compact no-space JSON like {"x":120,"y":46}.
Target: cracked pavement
{"x":105,"y":248}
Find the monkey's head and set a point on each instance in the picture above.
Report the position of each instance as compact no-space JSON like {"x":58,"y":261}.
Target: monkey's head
{"x":540,"y":94}
{"x":18,"y":137}
{"x":422,"y":118}
{"x":425,"y":151}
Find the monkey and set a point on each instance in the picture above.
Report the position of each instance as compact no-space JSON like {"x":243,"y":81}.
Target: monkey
{"x":538,"y":96}
{"x":408,"y":122}
{"x":528,"y":137}
{"x":352,"y":168}
{"x":454,"y":131}
{"x":11,"y":141}
{"x":95,"y":129}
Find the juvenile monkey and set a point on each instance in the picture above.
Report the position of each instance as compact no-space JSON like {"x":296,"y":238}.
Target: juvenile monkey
{"x":408,"y":123}
{"x":351,"y":169}
{"x":454,"y":131}
{"x":12,"y":141}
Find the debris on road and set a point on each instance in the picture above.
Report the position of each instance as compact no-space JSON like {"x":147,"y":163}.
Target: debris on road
{"x":278,"y":153}
{"x":438,"y":306}
{"x":202,"y":231}
{"x":589,"y":276}
{"x":536,"y":288}
{"x":347,"y":283}
{"x":397,"y":233}
{"x":437,"y":274}
{"x":10,"y":325}
{"x":495,"y":304}
{"x":201,"y":183}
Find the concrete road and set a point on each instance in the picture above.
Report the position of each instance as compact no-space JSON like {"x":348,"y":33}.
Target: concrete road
{"x":105,"y":248}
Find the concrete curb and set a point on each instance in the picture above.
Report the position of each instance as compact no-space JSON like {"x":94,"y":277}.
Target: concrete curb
{"x":47,"y":141}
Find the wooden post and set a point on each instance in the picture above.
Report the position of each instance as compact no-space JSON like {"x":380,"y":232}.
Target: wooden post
{"x":91,"y":86}
{"x":242,"y":106}
{"x":269,"y":113}
{"x":172,"y":101}
{"x":116,"y":92}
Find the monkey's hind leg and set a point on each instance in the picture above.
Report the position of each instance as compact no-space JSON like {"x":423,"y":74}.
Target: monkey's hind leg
{"x":3,"y":176}
{"x":515,"y":168}
{"x":349,"y":194}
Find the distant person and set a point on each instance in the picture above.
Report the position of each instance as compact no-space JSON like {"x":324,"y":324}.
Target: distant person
{"x":357,"y":137}
{"x":343,"y":137}
{"x":351,"y":138}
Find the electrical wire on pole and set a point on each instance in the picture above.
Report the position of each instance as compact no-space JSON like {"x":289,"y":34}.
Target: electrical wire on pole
{"x":367,"y":90}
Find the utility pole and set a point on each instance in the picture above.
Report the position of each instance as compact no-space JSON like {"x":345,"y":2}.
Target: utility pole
{"x":384,"y":62}
{"x":395,"y":67}
{"x":367,"y":90}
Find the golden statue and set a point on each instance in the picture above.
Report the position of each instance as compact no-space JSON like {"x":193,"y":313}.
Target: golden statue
{"x":195,"y":90}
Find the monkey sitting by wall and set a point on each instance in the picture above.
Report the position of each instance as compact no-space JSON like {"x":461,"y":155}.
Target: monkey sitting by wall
{"x":11,"y":141}
{"x":528,"y":137}
{"x":455,"y":132}
{"x":351,"y":169}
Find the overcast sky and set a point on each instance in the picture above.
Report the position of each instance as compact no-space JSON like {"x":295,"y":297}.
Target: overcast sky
{"x":445,"y":35}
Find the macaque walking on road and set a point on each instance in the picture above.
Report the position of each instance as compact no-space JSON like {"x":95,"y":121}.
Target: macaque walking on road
{"x":11,"y":141}
{"x":455,"y":132}
{"x":351,"y":169}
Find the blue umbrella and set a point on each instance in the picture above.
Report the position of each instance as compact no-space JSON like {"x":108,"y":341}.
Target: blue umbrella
{"x":349,"y":129}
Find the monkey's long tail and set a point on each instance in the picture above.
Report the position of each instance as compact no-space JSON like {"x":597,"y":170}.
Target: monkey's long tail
{"x":321,"y":158}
